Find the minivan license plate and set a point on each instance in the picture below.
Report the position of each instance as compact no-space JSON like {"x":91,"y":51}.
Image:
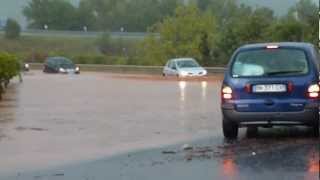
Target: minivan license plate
{"x":269,"y":88}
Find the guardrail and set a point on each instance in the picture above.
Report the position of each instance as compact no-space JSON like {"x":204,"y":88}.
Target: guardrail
{"x":92,"y":34}
{"x":127,"y":68}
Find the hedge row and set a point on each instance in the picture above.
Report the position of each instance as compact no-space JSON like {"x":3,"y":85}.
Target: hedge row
{"x":9,"y":67}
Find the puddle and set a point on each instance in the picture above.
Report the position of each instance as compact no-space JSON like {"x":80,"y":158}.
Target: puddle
{"x":30,"y":129}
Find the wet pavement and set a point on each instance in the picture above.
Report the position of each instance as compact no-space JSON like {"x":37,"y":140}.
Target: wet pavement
{"x":104,"y":126}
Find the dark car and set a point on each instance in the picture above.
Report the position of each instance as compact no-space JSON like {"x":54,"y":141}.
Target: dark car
{"x":60,"y":65}
{"x":268,"y":85}
{"x":26,"y":67}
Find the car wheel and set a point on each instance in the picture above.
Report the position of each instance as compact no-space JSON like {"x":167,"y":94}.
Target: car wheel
{"x":230,"y":129}
{"x":164,"y":75}
{"x":315,"y":129}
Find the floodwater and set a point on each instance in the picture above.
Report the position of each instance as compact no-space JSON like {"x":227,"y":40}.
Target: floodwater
{"x":55,"y":121}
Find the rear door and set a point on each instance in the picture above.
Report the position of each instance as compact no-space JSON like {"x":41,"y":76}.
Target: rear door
{"x":271,"y":80}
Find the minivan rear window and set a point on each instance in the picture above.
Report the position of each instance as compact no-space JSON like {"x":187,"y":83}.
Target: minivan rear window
{"x":270,"y":62}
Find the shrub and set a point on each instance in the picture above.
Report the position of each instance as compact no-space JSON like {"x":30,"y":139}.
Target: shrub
{"x":9,"y":67}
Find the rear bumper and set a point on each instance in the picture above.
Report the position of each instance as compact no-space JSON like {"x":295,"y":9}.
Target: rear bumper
{"x":306,"y":117}
{"x":191,"y":76}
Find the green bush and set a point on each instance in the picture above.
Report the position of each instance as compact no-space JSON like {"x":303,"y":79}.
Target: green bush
{"x":189,"y":33}
{"x":12,"y":29}
{"x":9,"y":67}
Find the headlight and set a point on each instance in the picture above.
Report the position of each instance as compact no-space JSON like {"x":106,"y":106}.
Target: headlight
{"x":77,"y":69}
{"x":205,"y":72}
{"x":183,"y":73}
{"x":62,"y":70}
{"x":26,"y":66}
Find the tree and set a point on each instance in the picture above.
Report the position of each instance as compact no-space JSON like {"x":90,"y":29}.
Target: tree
{"x":189,"y":33}
{"x":287,"y":29}
{"x":239,"y":30}
{"x":56,"y":14}
{"x":12,"y":29}
{"x":307,"y":13}
{"x":133,"y":15}
{"x":85,"y":16}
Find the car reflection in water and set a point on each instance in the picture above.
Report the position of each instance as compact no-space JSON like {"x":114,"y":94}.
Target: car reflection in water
{"x":229,"y":168}
{"x":314,"y":162}
{"x":204,"y":86}
{"x":182,"y":86}
{"x":239,"y":162}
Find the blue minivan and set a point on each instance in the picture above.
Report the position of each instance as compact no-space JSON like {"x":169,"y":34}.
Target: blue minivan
{"x":269,"y":85}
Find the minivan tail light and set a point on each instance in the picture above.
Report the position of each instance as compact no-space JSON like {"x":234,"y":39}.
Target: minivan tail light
{"x":314,"y":91}
{"x":227,"y":93}
{"x":314,"y":88}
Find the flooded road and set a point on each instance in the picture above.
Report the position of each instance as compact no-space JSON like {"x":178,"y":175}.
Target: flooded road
{"x":103,"y":126}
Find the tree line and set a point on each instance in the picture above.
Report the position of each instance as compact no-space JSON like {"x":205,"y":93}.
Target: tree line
{"x":98,"y":15}
{"x":208,"y":30}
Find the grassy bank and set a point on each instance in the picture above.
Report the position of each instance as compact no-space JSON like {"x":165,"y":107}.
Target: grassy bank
{"x":84,"y":50}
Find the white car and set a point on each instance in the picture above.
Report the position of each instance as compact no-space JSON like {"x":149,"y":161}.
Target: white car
{"x":184,"y":67}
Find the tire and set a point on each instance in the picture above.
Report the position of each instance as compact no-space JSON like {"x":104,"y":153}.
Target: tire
{"x":230,"y":129}
{"x":315,"y":131}
{"x":315,"y":127}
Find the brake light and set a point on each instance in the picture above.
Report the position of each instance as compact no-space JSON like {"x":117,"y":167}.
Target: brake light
{"x":314,"y":91}
{"x":226,"y":93}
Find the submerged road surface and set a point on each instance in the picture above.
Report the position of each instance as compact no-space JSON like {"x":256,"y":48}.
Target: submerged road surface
{"x":102,"y":126}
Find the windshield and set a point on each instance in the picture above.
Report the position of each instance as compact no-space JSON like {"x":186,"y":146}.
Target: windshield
{"x":187,"y":64}
{"x":266,"y":62}
{"x":66,"y":64}
{"x":61,"y":63}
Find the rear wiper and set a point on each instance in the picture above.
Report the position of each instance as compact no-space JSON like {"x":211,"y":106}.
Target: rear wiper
{"x":282,"y":72}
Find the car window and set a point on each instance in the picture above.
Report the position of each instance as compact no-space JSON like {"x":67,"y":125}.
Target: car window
{"x":187,"y":64}
{"x":173,"y":65}
{"x":51,"y":62}
{"x":168,"y":64}
{"x":60,"y":63}
{"x":266,"y":62}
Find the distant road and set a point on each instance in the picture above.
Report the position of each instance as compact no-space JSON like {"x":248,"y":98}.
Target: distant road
{"x":90,"y":34}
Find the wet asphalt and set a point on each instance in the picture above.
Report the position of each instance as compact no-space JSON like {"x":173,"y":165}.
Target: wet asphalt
{"x":101,"y":126}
